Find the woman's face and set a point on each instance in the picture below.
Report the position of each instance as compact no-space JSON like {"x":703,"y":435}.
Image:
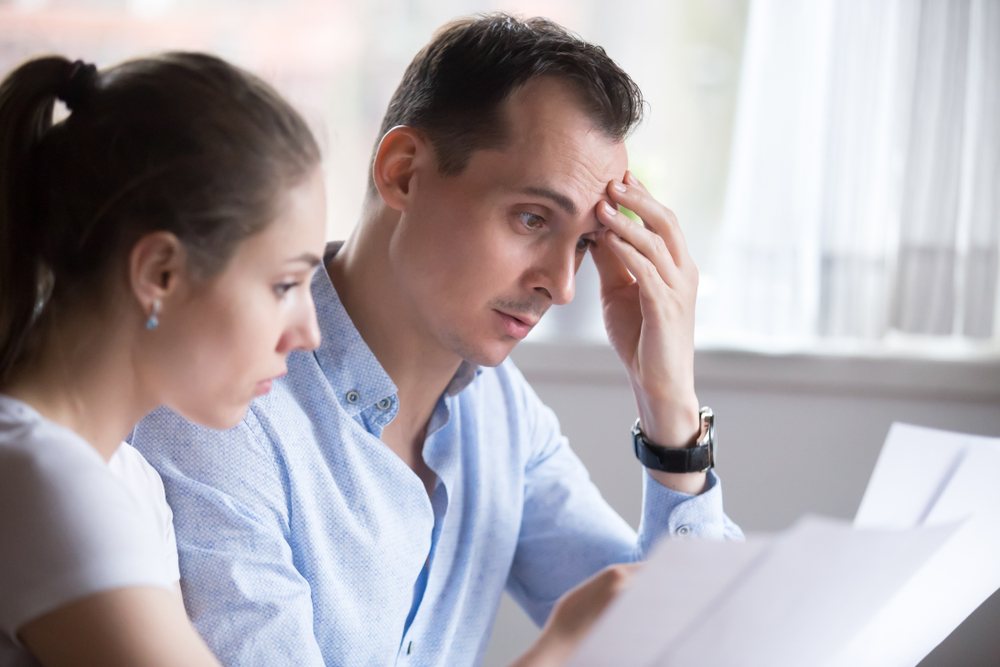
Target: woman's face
{"x":220,"y":343}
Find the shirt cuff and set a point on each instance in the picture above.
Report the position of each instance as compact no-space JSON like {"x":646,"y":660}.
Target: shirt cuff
{"x":677,"y":514}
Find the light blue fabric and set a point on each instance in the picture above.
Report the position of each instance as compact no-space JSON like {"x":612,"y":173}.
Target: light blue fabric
{"x":303,"y":539}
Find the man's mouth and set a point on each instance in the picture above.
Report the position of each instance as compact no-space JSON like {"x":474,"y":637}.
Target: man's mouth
{"x":515,"y":326}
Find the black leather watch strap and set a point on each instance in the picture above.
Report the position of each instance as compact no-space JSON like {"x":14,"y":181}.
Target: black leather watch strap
{"x":699,"y":458}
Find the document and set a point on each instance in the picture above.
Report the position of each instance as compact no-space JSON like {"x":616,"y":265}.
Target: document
{"x":914,"y":468}
{"x":956,"y":580}
{"x":690,"y":576}
{"x":921,"y":555}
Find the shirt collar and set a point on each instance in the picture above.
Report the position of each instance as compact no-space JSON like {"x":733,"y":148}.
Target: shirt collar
{"x":346,"y":360}
{"x":463,"y":377}
{"x":356,"y":376}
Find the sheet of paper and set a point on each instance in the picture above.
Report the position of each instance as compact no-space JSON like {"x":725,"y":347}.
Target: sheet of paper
{"x":956,"y":580}
{"x":814,"y":590}
{"x":913,"y":468}
{"x":681,"y":579}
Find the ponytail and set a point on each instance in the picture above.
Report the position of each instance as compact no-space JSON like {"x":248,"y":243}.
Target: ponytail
{"x":27,"y":97}
{"x":184,"y":143}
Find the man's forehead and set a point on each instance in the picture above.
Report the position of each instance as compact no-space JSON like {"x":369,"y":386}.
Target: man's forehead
{"x":571,"y":177}
{"x":552,"y":137}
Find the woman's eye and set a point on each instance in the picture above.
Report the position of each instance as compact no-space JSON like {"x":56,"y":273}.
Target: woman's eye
{"x":281,"y":289}
{"x":531,"y":220}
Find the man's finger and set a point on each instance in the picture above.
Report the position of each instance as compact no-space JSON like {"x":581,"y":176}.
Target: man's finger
{"x":644,"y":271}
{"x":648,"y":243}
{"x":611,"y":270}
{"x":657,"y":217}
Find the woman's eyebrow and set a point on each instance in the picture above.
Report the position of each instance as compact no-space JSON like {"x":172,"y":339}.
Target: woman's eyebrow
{"x":306,"y":258}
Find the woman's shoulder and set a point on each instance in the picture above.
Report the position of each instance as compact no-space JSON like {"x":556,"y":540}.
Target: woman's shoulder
{"x":38,"y":456}
{"x":142,"y":481}
{"x":69,"y":527}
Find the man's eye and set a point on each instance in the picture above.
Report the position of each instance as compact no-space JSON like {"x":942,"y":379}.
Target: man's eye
{"x":583,"y":244}
{"x":531,"y":220}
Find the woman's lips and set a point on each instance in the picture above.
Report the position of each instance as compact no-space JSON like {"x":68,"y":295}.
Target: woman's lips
{"x":264,"y":386}
{"x":515,"y":327}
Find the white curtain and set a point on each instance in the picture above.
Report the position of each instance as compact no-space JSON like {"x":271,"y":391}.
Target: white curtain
{"x":864,"y":185}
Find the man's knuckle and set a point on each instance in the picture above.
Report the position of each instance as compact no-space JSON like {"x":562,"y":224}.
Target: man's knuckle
{"x":670,"y":217}
{"x":659,"y":245}
{"x":648,"y":270}
{"x":641,"y":198}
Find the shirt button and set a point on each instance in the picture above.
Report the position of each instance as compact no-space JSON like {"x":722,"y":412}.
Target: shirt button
{"x":353,"y":397}
{"x":684,"y":530}
{"x":383,"y":404}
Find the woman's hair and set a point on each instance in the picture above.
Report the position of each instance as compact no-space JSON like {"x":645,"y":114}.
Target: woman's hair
{"x":184,"y":143}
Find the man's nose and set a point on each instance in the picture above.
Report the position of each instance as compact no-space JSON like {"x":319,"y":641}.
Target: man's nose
{"x":555,"y":276}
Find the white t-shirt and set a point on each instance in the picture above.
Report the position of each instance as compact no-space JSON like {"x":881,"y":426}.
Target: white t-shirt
{"x":72,"y":525}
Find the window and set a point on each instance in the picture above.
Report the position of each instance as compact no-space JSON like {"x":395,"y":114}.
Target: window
{"x":864,"y":193}
{"x":834,"y":165}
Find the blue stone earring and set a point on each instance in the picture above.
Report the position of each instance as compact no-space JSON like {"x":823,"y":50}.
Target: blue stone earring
{"x":154,"y":320}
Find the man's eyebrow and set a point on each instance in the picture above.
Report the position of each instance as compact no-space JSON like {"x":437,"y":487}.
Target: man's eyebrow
{"x":561,"y":200}
{"x":306,"y":258}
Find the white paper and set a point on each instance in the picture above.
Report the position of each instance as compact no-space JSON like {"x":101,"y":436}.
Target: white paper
{"x":954,"y":582}
{"x":679,"y":582}
{"x":816,"y":588}
{"x":922,"y":554}
{"x":913,"y":468}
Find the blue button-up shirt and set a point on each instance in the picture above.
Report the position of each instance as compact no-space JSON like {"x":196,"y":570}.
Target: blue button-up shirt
{"x":305,"y":541}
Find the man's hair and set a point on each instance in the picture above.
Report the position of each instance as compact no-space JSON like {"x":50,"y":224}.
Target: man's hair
{"x":455,"y":87}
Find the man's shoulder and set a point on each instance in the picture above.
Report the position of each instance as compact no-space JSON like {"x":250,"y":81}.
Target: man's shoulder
{"x":164,"y":435}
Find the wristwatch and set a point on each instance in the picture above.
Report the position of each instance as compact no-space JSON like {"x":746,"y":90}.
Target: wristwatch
{"x":698,"y":458}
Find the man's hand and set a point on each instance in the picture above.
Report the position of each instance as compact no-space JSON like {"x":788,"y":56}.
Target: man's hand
{"x":574,"y":615}
{"x":648,"y":288}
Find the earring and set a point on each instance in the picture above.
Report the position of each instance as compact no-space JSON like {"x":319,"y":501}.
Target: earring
{"x":154,"y":320}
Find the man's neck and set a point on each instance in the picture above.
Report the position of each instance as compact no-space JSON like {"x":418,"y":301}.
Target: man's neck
{"x":419,"y":366}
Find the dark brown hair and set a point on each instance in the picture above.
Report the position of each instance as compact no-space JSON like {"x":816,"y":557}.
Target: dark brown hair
{"x":454,"y":88}
{"x":184,"y":143}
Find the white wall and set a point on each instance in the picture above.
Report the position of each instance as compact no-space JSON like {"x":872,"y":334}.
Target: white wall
{"x":796,"y":433}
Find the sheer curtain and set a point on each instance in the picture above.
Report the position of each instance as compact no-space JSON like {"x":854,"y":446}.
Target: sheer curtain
{"x":864,"y":185}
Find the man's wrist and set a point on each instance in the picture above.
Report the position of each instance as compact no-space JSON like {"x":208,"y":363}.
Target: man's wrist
{"x":679,"y":430}
{"x":676,"y":426}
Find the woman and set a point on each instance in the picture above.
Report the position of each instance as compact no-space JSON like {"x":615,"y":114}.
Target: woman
{"x":156,"y":248}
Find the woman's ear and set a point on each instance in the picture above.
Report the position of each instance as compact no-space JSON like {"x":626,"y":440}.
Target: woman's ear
{"x":156,"y":265}
{"x":400,"y":154}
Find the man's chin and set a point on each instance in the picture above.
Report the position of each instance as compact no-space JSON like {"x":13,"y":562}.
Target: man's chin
{"x":488,"y":354}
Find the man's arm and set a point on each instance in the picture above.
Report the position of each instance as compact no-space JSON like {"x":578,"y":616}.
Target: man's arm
{"x":241,"y":587}
{"x":569,"y":532}
{"x":648,"y":288}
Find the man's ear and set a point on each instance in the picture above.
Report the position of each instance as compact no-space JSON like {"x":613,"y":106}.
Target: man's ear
{"x":156,"y":265}
{"x":400,"y":153}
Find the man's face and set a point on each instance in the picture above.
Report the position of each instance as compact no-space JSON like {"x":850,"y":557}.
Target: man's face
{"x":483,"y":255}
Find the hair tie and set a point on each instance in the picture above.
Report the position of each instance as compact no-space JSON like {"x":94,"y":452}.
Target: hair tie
{"x":78,"y":86}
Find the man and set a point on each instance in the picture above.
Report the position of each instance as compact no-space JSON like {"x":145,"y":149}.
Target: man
{"x":373,"y":507}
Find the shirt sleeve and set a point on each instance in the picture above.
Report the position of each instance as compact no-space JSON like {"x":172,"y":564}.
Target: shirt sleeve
{"x":68,"y":530}
{"x":170,"y":539}
{"x":240,"y":584}
{"x":569,"y":532}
